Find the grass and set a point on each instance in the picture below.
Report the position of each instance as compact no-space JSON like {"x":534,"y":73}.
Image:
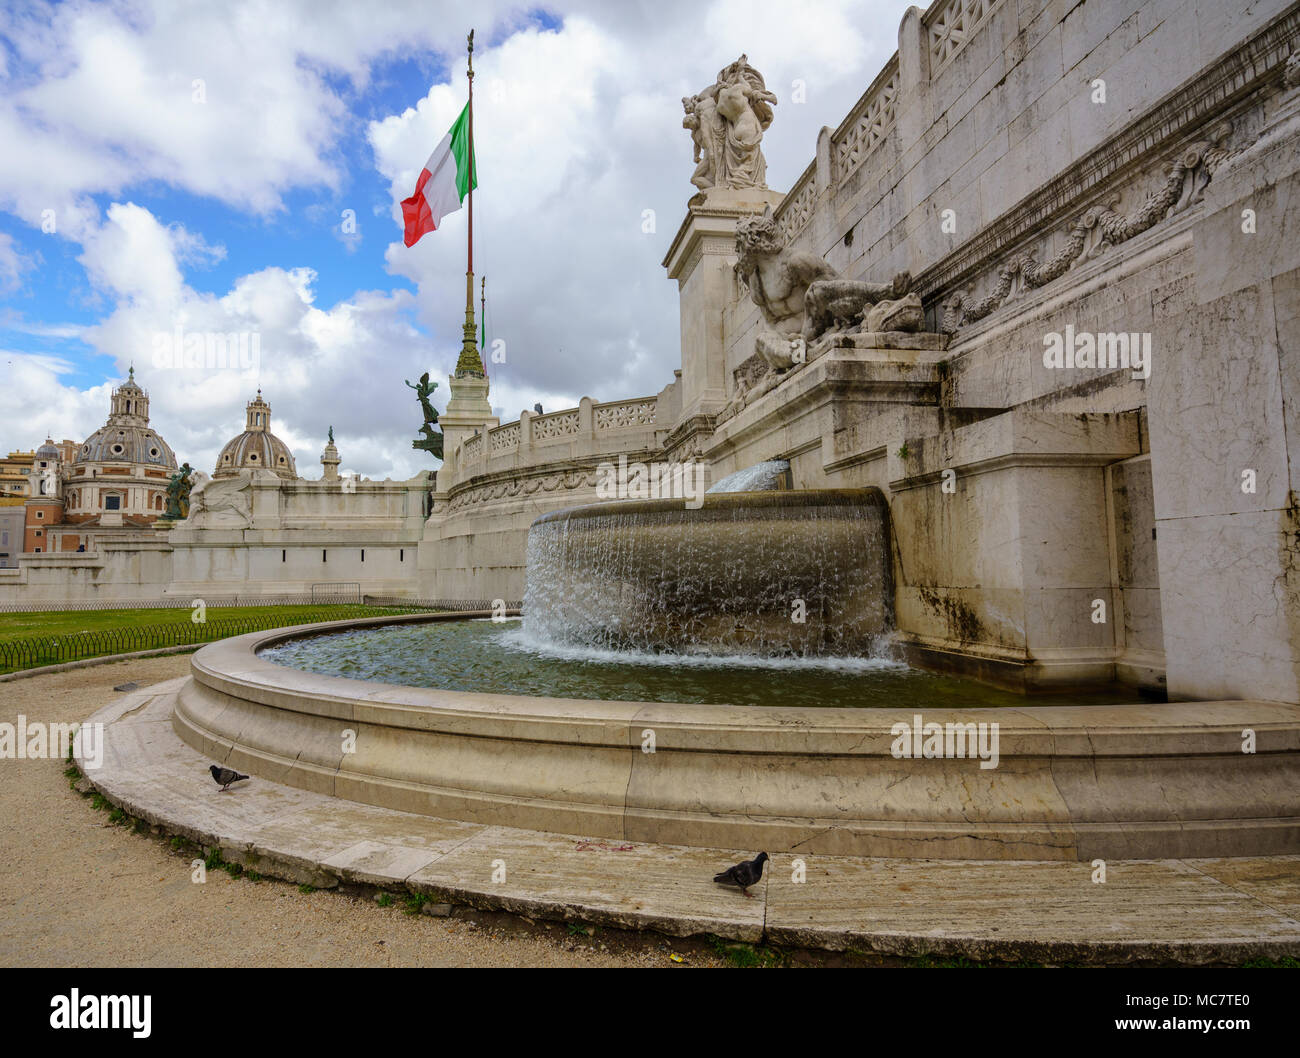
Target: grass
{"x":121,"y":631}
{"x":70,"y":622}
{"x":745,"y":956}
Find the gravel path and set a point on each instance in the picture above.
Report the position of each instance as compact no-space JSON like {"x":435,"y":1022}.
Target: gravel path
{"x":78,"y":891}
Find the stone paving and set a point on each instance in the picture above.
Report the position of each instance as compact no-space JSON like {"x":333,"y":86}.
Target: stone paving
{"x":1187,"y":911}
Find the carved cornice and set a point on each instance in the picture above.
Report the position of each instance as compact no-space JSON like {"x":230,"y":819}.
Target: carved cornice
{"x":687,"y":440}
{"x":541,"y":481}
{"x":1228,"y":83}
{"x":1101,"y":227}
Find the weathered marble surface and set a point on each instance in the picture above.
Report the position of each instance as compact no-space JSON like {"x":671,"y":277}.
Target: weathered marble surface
{"x":1070,"y":783}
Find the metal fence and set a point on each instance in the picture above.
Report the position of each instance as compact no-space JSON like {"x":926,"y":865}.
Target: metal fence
{"x":318,"y":596}
{"x":35,"y":651}
{"x":442,"y":604}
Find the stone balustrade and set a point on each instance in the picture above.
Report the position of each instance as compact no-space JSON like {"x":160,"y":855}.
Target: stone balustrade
{"x":590,"y":422}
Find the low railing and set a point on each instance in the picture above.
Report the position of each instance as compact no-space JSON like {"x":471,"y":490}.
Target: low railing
{"x":341,"y":591}
{"x":455,"y":605}
{"x":620,"y":414}
{"x":318,"y":598}
{"x":868,"y":123}
{"x":949,"y":27}
{"x":634,"y":413}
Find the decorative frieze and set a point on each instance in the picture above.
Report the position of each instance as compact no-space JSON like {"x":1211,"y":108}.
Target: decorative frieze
{"x":1100,"y":228}
{"x":504,"y":490}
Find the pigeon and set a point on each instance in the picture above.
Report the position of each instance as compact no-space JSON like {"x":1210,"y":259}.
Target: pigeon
{"x":226,"y":776}
{"x":743,"y":874}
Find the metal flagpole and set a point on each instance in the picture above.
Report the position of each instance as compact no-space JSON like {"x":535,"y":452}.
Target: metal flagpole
{"x":469,"y":362}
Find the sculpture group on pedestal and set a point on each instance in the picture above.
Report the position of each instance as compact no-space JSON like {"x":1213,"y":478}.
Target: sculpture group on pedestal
{"x":727,"y":121}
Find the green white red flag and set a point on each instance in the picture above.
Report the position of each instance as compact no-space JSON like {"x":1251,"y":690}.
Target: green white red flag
{"x":444,"y":181}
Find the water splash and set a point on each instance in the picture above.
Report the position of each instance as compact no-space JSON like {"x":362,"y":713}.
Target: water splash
{"x":768,"y":476}
{"x":766,"y":574}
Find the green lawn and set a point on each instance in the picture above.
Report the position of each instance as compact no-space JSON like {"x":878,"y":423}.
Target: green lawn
{"x":29,"y":640}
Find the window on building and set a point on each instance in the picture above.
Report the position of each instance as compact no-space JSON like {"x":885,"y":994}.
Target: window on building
{"x":39,"y":532}
{"x":363,"y":554}
{"x":112,"y":503}
{"x":322,"y":555}
{"x":37,"y":550}
{"x":40,"y":514}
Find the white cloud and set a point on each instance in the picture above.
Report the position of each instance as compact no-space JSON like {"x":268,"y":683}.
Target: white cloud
{"x":579,"y":132}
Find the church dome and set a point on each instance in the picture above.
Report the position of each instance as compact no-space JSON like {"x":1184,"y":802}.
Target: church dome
{"x":127,"y":436}
{"x":48,"y":450}
{"x":257,"y":448}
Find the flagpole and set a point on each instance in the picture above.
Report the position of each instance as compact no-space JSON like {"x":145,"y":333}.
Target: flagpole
{"x":469,"y":362}
{"x":482,"y":313}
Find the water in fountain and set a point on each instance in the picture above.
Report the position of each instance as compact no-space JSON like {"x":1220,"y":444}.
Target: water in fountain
{"x":767,"y":476}
{"x":774,"y":574}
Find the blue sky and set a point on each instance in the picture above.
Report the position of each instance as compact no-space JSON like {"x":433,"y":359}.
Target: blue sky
{"x":226,"y":216}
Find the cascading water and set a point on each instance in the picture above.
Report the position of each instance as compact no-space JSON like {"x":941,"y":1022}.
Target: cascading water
{"x":775,"y":574}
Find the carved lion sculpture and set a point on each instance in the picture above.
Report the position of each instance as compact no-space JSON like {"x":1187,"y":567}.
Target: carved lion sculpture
{"x":802,"y":297}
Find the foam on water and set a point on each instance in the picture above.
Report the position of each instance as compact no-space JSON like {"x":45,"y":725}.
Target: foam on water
{"x":522,"y":640}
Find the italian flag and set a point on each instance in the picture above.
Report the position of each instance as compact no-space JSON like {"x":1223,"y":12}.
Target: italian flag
{"x":443,"y":184}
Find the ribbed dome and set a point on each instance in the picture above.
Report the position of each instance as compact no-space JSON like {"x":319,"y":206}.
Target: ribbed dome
{"x":257,"y":448}
{"x":127,"y":437}
{"x":120,"y":442}
{"x":48,"y":450}
{"x":254,"y":449}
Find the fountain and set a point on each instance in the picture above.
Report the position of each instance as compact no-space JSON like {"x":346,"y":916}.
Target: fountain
{"x":736,"y":758}
{"x":771,"y":574}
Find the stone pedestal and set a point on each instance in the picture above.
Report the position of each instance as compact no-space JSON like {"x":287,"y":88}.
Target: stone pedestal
{"x":904,"y":347}
{"x":329,"y":461}
{"x":468,"y":412}
{"x":701,"y":259}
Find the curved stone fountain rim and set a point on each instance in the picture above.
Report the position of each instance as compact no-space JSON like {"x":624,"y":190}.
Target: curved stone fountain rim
{"x":1075,"y":782}
{"x":1033,"y":729}
{"x":784,"y":498}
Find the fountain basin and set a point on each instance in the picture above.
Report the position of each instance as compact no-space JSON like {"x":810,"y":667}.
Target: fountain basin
{"x":1072,"y":782}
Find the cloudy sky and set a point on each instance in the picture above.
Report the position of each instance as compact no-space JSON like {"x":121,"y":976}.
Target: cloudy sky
{"x":236,"y":167}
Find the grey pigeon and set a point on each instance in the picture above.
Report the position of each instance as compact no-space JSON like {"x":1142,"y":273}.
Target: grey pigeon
{"x":225,"y":776}
{"x":744,"y":874}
